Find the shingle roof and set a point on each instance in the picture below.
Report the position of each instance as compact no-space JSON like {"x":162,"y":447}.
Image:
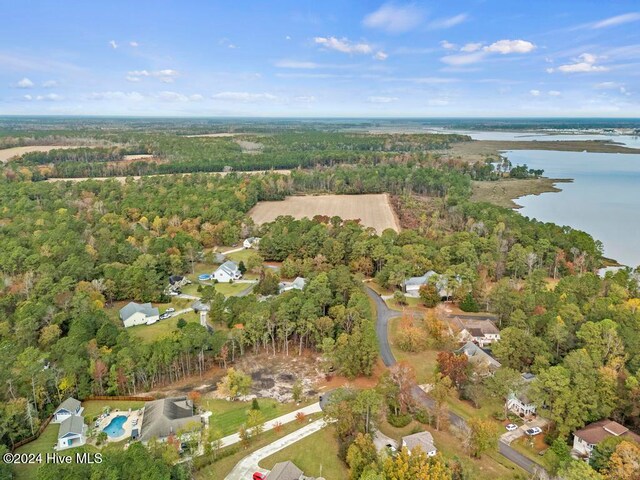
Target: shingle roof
{"x":70,"y":405}
{"x":598,"y":431}
{"x":133,"y":307}
{"x":424,"y":440}
{"x":229,"y":267}
{"x":73,"y":424}
{"x":477,"y":354}
{"x":284,"y":471}
{"x":164,"y":417}
{"x":420,"y":280}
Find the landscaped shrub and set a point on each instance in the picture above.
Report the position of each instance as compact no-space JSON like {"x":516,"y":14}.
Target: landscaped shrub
{"x":399,"y":421}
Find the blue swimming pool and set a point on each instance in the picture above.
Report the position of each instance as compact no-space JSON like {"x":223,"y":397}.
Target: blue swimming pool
{"x":114,"y":429}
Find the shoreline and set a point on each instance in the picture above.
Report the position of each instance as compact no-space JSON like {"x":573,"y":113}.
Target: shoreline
{"x":506,"y":191}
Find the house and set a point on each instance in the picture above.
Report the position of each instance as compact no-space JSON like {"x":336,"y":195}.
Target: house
{"x":480,"y":358}
{"x":585,"y":439}
{"x":176,"y":282}
{"x":138,"y":314}
{"x":484,"y":334}
{"x":165,"y":417}
{"x":69,"y":407}
{"x":227,"y":272}
{"x":286,"y":471}
{"x":412,"y":285}
{"x":251,"y":242}
{"x":520,"y":404}
{"x":298,"y":284}
{"x":72,"y":432}
{"x":422,"y":440}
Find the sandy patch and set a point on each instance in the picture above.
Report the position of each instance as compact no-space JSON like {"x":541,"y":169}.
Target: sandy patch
{"x":372,"y":210}
{"x":7,"y":154}
{"x":214,"y":135}
{"x":138,"y":177}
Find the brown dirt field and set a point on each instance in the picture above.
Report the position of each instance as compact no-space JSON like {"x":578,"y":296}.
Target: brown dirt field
{"x":7,"y":154}
{"x":372,"y":210}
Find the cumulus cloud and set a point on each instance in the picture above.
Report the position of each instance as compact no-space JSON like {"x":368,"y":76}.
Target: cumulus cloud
{"x":113,"y":44}
{"x":535,"y":93}
{"x":448,"y":22}
{"x":394,"y":18}
{"x":116,"y":95}
{"x":344,"y":45}
{"x":475,"y":52}
{"x":381,"y":99}
{"x":463,"y":59}
{"x":245,"y":97}
{"x":554,"y":93}
{"x":607,"y":85}
{"x":27,"y":97}
{"x":178,"y":97}
{"x":25,"y":83}
{"x":51,"y":97}
{"x":585,"y":63}
{"x":471,"y":47}
{"x":380,"y":55}
{"x":49,"y":84}
{"x":448,"y":45}
{"x":166,"y":75}
{"x":134,"y":44}
{"x":296,"y":64}
{"x":510,"y":46}
{"x":617,"y":20}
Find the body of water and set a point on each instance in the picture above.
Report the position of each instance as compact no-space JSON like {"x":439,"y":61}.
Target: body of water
{"x":603,"y":200}
{"x":115,"y":429}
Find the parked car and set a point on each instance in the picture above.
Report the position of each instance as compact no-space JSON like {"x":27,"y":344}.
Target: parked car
{"x":533,"y":431}
{"x":511,"y":427}
{"x":170,"y":310}
{"x":173,"y":293}
{"x":258,"y":476}
{"x":391,"y":447}
{"x":164,"y":316}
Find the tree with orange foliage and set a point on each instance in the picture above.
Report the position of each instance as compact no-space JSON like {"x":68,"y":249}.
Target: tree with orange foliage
{"x":454,"y":366}
{"x":624,"y":463}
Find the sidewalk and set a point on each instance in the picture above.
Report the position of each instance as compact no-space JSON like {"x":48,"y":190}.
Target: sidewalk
{"x":249,"y":464}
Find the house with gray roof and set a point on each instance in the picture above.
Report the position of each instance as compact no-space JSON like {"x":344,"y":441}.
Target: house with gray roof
{"x":480,"y":358}
{"x":298,"y":284}
{"x":165,"y":417}
{"x":227,"y":272}
{"x":72,"y":432}
{"x":251,"y":242}
{"x":69,"y":407}
{"x":286,"y":471}
{"x":412,"y":285}
{"x":422,"y":440}
{"x":138,"y":314}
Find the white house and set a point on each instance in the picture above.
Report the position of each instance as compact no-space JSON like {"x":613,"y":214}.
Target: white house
{"x":138,"y":314}
{"x":226,"y":272}
{"x":520,"y":404}
{"x":72,"y":432}
{"x":69,"y":407}
{"x":412,"y":285}
{"x":298,"y":284}
{"x":251,"y":242}
{"x":422,"y":440}
{"x":585,"y":439}
{"x":485,"y":334}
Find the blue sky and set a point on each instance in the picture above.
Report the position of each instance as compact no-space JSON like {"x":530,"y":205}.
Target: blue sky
{"x":321,"y":58}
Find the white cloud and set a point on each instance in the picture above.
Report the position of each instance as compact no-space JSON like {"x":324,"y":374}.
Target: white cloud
{"x":471,"y":47}
{"x":585,"y":63}
{"x":245,"y":97}
{"x":27,"y":97}
{"x":51,"y":97}
{"x":448,"y":45}
{"x":466,"y":59}
{"x":380,"y":55}
{"x":113,"y":44}
{"x":554,"y":93}
{"x":116,"y":95}
{"x":617,"y":20}
{"x":380,"y":99}
{"x":166,"y":75}
{"x":607,"y":85}
{"x":305,"y":99}
{"x":394,"y":18}
{"x":134,"y":44}
{"x":296,"y":64}
{"x":49,"y":84}
{"x":510,"y":46}
{"x":343,"y":45}
{"x":287,"y":37}
{"x":25,"y":83}
{"x":448,"y":22}
{"x":535,"y":93}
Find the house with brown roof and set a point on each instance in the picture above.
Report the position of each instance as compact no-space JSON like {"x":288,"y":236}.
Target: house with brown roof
{"x":585,"y":439}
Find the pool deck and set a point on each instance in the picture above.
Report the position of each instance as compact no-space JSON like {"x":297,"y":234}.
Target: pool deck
{"x":131,"y":415}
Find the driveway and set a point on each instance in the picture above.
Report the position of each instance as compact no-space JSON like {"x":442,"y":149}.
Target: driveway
{"x":245,"y":468}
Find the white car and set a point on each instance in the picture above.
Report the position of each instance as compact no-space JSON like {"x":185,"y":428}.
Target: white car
{"x":533,"y":431}
{"x":173,"y":294}
{"x":511,"y":427}
{"x":170,"y":310}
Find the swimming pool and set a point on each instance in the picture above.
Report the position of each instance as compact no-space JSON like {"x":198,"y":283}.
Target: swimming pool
{"x":114,"y":429}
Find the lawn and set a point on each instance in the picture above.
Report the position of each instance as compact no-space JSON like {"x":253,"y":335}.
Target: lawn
{"x":241,"y":256}
{"x":424,"y":362}
{"x":376,"y":287}
{"x":413,"y":303}
{"x":531,"y":447}
{"x":93,"y":408}
{"x":231,"y":289}
{"x":316,"y":455}
{"x":229,"y":416}
{"x":162,"y":328}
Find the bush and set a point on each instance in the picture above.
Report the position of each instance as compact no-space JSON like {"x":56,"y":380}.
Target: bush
{"x":469,"y":304}
{"x":181,"y":323}
{"x":429,"y":295}
{"x":399,"y":298}
{"x":423,"y":416}
{"x":255,"y":405}
{"x":399,"y":421}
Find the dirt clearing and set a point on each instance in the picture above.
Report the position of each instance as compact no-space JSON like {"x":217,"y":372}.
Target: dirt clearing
{"x":7,"y":154}
{"x":372,"y":210}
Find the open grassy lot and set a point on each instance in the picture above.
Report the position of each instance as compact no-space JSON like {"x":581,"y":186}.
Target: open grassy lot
{"x":424,"y":362}
{"x":162,"y":328}
{"x":503,"y":192}
{"x":242,"y":255}
{"x":93,"y":408}
{"x":229,"y":416}
{"x":316,"y":455}
{"x":231,"y":289}
{"x":372,"y":210}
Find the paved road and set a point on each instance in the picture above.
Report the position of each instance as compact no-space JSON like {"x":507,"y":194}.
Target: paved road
{"x":249,"y":464}
{"x":384,"y":314}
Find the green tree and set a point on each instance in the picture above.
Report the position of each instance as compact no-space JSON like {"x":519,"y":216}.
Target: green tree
{"x":483,"y":436}
{"x":361,"y":455}
{"x":234,"y":383}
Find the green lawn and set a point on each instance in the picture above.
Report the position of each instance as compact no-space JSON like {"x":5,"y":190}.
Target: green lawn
{"x":376,"y":287}
{"x":411,"y":303}
{"x":424,"y":362}
{"x":229,"y":416}
{"x":93,"y":408}
{"x":316,"y":455}
{"x":241,"y":256}
{"x":162,"y":328}
{"x":231,"y":289}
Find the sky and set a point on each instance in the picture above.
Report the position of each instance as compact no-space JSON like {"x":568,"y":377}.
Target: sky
{"x":321,"y":58}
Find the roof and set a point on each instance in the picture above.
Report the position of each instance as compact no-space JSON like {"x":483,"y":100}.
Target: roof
{"x":228,"y":267}
{"x":70,"y":405}
{"x":527,"y":377}
{"x":477,"y":354}
{"x":420,"y":280}
{"x":522,"y":397}
{"x":175,"y":279}
{"x":73,"y":424}
{"x":424,"y":440}
{"x":133,"y":307}
{"x":166,"y":416}
{"x":298,"y":284}
{"x":596,"y":432}
{"x":284,"y":471}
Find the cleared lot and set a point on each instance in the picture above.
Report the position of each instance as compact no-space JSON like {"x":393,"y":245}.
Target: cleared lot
{"x":7,"y":154}
{"x":372,"y":210}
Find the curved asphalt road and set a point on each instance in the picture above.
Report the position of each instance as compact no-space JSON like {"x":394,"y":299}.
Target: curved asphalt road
{"x":384,"y":314}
